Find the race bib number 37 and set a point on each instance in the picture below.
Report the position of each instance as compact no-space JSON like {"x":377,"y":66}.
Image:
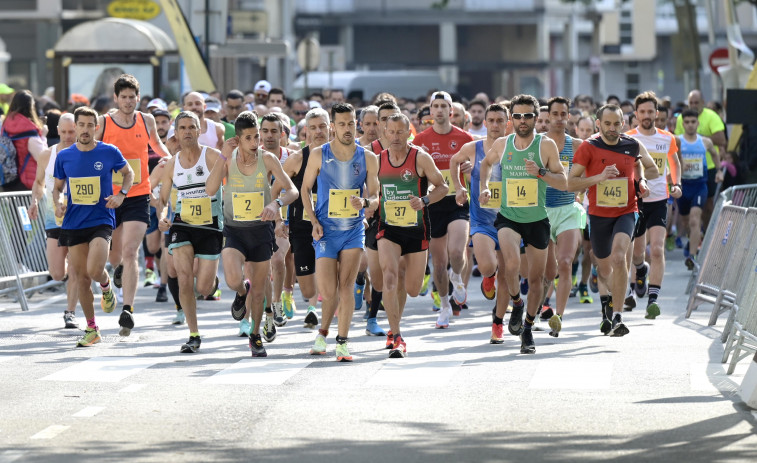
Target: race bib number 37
{"x":84,"y":191}
{"x":400,"y":214}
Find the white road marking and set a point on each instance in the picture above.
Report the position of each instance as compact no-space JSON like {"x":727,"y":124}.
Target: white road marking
{"x":259,"y":371}
{"x":712,"y":377}
{"x":50,"y":431}
{"x":103,"y":369}
{"x":571,"y":374}
{"x":9,"y":456}
{"x":88,"y":412}
{"x":415,"y":372}
{"x":133,"y":387}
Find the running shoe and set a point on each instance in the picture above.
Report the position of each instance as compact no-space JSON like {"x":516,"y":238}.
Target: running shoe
{"x":359,"y":289}
{"x":524,"y":286}
{"x":269,"y":328}
{"x":686,"y":252}
{"x":215,"y":294}
{"x":546,"y":312}
{"x":126,"y":322}
{"x":515,"y":325}
{"x":150,"y":277}
{"x":91,"y":336}
{"x":389,"y":340}
{"x":343,"y":353}
{"x":442,"y":320}
{"x":108,"y":300}
{"x":399,"y":349}
{"x":256,"y":346}
{"x":69,"y":318}
{"x":455,"y":307}
{"x":424,"y":285}
{"x":573,"y":291}
{"x":191,"y":346}
{"x":653,"y":311}
{"x":319,"y":346}
{"x":162,"y":295}
{"x":238,"y":308}
{"x":678,"y":242}
{"x":118,"y":275}
{"x":583,"y":295}
{"x":179,"y":318}
{"x":497,"y":332}
{"x":476,"y":272}
{"x":629,"y":303}
{"x":690,"y":264}
{"x":278,"y":314}
{"x":311,"y":318}
{"x":605,"y":326}
{"x":642,"y":280}
{"x":458,"y":288}
{"x":594,"y":280}
{"x":372,"y":328}
{"x":527,"y":345}
{"x":555,"y":323}
{"x":670,"y":243}
{"x":289,"y":306}
{"x":437,"y":301}
{"x":618,"y":327}
{"x":245,"y":328}
{"x":488,"y":287}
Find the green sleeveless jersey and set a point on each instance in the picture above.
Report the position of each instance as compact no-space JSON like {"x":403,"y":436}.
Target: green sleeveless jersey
{"x":523,"y":195}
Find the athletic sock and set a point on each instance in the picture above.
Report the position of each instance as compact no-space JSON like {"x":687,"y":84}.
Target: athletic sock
{"x":574,"y":269}
{"x":654,"y":291}
{"x":91,"y":323}
{"x":128,"y":308}
{"x":376,"y":297}
{"x":497,"y":320}
{"x":529,"y":322}
{"x":340,"y":339}
{"x":324,"y":333}
{"x":196,"y":334}
{"x":516,"y":299}
{"x":360,"y":279}
{"x":105,"y":287}
{"x":173,"y":288}
{"x":150,"y":263}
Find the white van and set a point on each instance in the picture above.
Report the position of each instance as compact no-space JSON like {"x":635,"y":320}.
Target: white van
{"x":365,"y":84}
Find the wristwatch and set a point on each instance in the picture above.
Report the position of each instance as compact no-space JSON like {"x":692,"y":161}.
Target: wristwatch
{"x":124,"y":192}
{"x":279,"y":202}
{"x":542,"y":172}
{"x":366,"y":203}
{"x":425,"y":200}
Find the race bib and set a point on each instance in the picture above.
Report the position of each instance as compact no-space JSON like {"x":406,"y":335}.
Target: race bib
{"x":613,"y":193}
{"x":495,"y":196}
{"x":692,"y":168}
{"x":522,"y":192}
{"x":659,"y":160}
{"x":305,"y":215}
{"x":58,"y":220}
{"x":174,"y":198}
{"x":284,"y":210}
{"x":247,"y":207}
{"x":340,"y":206}
{"x":136,"y":166}
{"x":400,"y":214}
{"x":448,"y":178}
{"x":196,"y":211}
{"x":84,"y":191}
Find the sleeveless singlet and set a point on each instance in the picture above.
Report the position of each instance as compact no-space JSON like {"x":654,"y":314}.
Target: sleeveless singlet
{"x":397,"y":184}
{"x":210,"y":136}
{"x":245,"y":196}
{"x":337,"y":181}
{"x":133,"y":142}
{"x":194,"y":208}
{"x":555,"y":197}
{"x":482,"y":216}
{"x":523,"y":195}
{"x":694,"y":165}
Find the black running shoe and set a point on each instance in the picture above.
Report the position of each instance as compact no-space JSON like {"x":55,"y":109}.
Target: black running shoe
{"x":618,"y":327}
{"x":515,"y":324}
{"x":630,"y":302}
{"x":311,"y":319}
{"x":191,"y":346}
{"x":269,"y":329}
{"x":256,"y":346}
{"x":162,"y":295}
{"x":126,"y":322}
{"x":238,"y":308}
{"x":117,"y":275}
{"x":546,"y":313}
{"x":527,"y":345}
{"x":605,"y":326}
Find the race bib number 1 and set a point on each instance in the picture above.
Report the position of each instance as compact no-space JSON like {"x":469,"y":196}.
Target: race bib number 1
{"x":247,"y":207}
{"x":400,"y":214}
{"x":196,"y":211}
{"x":340,"y":205}
{"x":522,"y":192}
{"x":495,"y":196}
{"x":613,"y":193}
{"x":84,"y":191}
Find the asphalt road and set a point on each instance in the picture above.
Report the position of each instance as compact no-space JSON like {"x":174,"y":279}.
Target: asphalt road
{"x":658,"y":394}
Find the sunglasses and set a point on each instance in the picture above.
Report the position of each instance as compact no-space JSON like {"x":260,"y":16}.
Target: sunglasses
{"x":526,"y":116}
{"x":428,"y":122}
{"x":301,"y":113}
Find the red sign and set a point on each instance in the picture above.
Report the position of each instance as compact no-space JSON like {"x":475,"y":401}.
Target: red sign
{"x":718,"y":57}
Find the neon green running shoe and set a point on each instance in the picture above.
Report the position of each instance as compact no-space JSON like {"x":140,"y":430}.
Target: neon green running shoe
{"x":342,"y":353}
{"x":289,"y":306}
{"x":319,"y":346}
{"x":91,"y":336}
{"x":108,"y":301}
{"x":424,"y":286}
{"x":437,"y":301}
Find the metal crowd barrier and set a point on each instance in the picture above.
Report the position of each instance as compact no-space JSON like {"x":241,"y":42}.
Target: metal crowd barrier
{"x":723,"y":253}
{"x":742,"y":334}
{"x":22,"y":247}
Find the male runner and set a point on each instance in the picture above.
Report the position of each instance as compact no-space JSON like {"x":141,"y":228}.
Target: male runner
{"x":211,"y":132}
{"x":477,"y":110}
{"x":542,"y":121}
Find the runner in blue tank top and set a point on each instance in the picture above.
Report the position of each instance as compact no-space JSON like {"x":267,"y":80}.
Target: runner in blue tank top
{"x":692,"y":151}
{"x":482,"y":230}
{"x":343,"y":171}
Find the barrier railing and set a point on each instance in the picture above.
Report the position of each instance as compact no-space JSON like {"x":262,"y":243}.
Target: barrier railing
{"x":22,"y":246}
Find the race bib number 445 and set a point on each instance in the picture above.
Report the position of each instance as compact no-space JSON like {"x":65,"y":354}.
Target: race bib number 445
{"x":613,"y":193}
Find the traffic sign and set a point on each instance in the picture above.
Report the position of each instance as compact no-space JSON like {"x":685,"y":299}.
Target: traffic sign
{"x":718,"y":57}
{"x":309,"y":54}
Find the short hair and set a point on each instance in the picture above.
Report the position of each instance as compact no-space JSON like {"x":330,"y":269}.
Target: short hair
{"x":245,"y":120}
{"x":84,"y":111}
{"x":384,"y":97}
{"x":388,"y":106}
{"x":575,"y":112}
{"x":458,"y":105}
{"x":235,"y":95}
{"x":424,"y":111}
{"x":317,"y":112}
{"x":272,"y":117}
{"x":608,"y":107}
{"x":478,"y":102}
{"x":645,"y":97}
{"x":557,"y":100}
{"x":688,"y":112}
{"x":276,"y":91}
{"x":341,"y":108}
{"x":663,"y":109}
{"x":370,"y":109}
{"x":497,"y":107}
{"x":585,"y":118}
{"x":67,"y":117}
{"x":125,"y":81}
{"x":631,"y":117}
{"x":525,"y":100}
{"x":185,"y":115}
{"x":612,"y":97}
{"x":399,"y":117}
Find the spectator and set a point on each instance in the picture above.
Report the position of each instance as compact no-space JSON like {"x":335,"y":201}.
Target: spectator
{"x":22,"y":119}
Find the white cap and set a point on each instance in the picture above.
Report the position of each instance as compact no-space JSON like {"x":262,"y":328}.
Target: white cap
{"x":157,"y":103}
{"x":314,"y":104}
{"x":263,"y":85}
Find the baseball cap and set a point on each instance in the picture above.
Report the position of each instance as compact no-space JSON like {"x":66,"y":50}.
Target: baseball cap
{"x":157,"y":103}
{"x":78,"y":98}
{"x":441,"y":96}
{"x":212,"y":104}
{"x":263,"y":85}
{"x":314,"y":104}
{"x":5,"y":90}
{"x":161,"y":112}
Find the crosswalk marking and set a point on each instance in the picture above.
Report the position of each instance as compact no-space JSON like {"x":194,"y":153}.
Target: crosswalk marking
{"x":415,"y":372}
{"x":10,"y":456}
{"x":103,"y":369}
{"x":571,"y":374}
{"x":259,"y":371}
{"x":88,"y":412}
{"x":50,"y":431}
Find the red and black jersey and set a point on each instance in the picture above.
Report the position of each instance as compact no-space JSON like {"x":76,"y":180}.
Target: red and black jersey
{"x":398,"y":183}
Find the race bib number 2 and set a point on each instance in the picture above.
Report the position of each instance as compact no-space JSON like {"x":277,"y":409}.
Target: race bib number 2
{"x":84,"y":191}
{"x":247,"y":207}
